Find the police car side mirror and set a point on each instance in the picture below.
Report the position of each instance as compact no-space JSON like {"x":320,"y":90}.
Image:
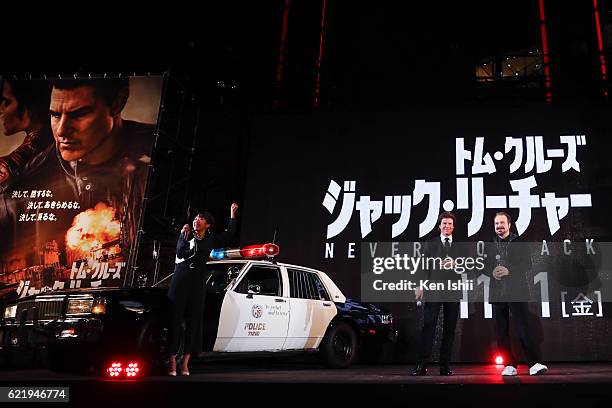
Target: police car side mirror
{"x":253,"y":290}
{"x":232,"y":273}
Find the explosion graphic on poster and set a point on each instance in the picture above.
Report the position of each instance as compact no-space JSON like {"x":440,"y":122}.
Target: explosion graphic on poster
{"x":92,"y":231}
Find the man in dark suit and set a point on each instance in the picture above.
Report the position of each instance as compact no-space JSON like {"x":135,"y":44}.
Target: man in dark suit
{"x":508,"y":264}
{"x":439,"y":247}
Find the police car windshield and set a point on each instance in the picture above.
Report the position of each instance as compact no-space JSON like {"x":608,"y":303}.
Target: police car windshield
{"x":222,"y":273}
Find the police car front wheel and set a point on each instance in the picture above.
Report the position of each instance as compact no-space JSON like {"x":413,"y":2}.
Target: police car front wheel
{"x":339,"y":347}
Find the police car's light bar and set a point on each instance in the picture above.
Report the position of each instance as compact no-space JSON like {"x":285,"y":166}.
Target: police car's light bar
{"x":250,"y":252}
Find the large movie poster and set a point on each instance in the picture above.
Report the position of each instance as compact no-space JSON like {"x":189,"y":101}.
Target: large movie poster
{"x":339,"y":189}
{"x":74,"y":163}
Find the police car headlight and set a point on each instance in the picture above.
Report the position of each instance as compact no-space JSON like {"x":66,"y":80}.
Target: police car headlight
{"x":386,"y":319}
{"x":10,"y":312}
{"x":79,"y":306}
{"x":99,"y":306}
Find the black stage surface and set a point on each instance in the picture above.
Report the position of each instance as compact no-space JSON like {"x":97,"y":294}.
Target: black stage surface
{"x":271,"y":382}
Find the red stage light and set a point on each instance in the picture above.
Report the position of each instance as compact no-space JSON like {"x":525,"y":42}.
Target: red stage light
{"x":133,"y":369}
{"x":116,"y":370}
{"x":499,"y":360}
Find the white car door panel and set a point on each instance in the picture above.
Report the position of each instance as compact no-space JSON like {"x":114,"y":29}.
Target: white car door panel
{"x":254,"y":321}
{"x":311,"y":310}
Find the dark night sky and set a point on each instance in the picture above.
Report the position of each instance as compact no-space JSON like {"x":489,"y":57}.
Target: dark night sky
{"x":377,"y":54}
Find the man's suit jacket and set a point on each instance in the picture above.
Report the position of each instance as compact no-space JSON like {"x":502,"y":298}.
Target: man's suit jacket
{"x":435,"y":249}
{"x":515,"y":256}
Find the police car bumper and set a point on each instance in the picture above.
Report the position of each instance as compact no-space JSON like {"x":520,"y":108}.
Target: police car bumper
{"x":379,"y":334}
{"x":41,"y":335}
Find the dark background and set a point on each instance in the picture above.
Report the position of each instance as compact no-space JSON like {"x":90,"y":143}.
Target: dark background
{"x":293,"y":158}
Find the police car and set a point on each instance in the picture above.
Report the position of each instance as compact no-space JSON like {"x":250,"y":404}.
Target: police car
{"x":253,"y":304}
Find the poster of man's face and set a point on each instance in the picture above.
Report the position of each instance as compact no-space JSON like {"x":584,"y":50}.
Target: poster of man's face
{"x":74,"y":162}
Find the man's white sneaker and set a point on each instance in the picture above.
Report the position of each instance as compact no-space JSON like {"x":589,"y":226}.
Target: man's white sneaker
{"x":537,"y":368}
{"x":509,"y":371}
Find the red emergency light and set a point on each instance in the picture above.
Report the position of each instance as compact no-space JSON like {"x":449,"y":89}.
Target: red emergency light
{"x":259,"y":251}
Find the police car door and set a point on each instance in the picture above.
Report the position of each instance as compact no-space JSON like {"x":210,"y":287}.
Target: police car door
{"x":254,"y":314}
{"x":311,"y":309}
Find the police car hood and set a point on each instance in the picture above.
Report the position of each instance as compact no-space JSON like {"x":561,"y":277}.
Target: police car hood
{"x":12,"y":298}
{"x":357,"y":306}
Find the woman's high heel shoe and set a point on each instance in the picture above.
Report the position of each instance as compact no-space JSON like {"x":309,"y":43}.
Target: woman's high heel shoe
{"x":172,"y":367}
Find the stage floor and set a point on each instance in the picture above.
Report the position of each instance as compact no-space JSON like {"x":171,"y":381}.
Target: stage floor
{"x":257,"y":380}
{"x":266,"y":371}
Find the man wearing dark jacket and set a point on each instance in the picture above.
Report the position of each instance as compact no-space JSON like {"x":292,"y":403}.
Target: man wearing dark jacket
{"x":439,"y":247}
{"x":508,"y":266}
